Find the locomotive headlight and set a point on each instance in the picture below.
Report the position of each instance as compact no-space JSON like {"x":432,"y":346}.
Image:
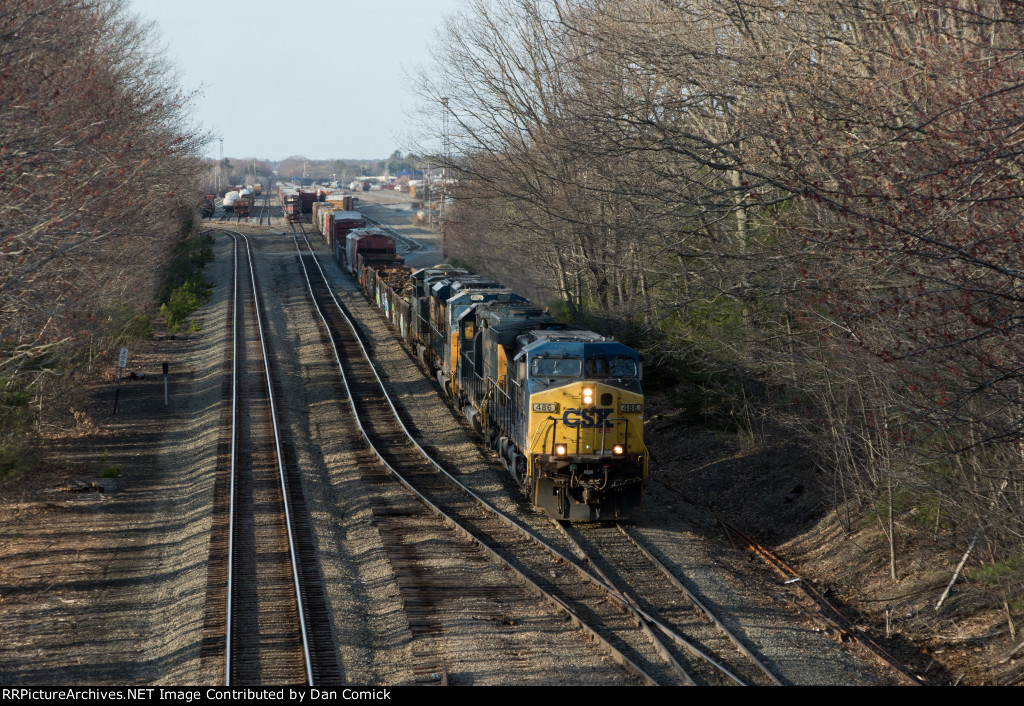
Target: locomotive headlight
{"x":560,"y":450}
{"x":618,"y":450}
{"x":588,"y":395}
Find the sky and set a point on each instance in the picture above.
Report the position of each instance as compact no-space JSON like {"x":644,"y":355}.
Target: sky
{"x":324,"y":80}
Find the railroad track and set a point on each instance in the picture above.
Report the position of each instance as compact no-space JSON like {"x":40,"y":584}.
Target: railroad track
{"x":265,"y":618}
{"x":815,"y":606}
{"x":227,"y":215}
{"x":265,"y":210}
{"x":637,"y":611}
{"x":410,"y":526}
{"x":697,"y":637}
{"x":598,"y":607}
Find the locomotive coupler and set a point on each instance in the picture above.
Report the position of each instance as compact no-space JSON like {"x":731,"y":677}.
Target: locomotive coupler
{"x":590,"y":482}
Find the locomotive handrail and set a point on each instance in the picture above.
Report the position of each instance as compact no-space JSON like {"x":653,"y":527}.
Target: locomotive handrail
{"x":503,"y":404}
{"x":519,"y":433}
{"x":579,"y":430}
{"x":541,"y":432}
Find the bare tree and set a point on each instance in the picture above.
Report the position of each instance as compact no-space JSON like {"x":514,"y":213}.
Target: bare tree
{"x":98,"y":164}
{"x":822,"y":195}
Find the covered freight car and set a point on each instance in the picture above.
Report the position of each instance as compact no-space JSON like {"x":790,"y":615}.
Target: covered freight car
{"x":336,"y":225}
{"x":308,"y":198}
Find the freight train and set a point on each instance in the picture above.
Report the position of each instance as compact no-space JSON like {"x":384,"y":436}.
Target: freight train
{"x":561,"y":405}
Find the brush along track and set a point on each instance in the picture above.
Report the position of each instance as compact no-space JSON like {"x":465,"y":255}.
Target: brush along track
{"x":265,"y":616}
{"x":549,"y":571}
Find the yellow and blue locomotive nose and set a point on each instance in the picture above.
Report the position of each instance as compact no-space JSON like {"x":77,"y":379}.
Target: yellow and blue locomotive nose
{"x":587,"y":454}
{"x":587,"y":419}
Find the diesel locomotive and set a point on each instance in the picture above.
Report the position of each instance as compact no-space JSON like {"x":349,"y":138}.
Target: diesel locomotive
{"x":562,"y":406}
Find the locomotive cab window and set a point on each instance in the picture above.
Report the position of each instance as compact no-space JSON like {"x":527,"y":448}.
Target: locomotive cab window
{"x":568,"y":367}
{"x":613,"y":366}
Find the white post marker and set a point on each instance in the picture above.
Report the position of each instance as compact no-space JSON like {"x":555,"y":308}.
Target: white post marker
{"x":122,"y":363}
{"x":165,"y":383}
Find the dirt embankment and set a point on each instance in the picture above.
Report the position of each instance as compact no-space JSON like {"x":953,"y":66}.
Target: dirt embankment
{"x":772,"y":491}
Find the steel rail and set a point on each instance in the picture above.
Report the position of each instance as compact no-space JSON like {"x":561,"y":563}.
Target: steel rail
{"x":644,"y":619}
{"x":234,"y":437}
{"x":697,"y":603}
{"x":827,"y":613}
{"x":649,"y":619}
{"x":280,"y":468}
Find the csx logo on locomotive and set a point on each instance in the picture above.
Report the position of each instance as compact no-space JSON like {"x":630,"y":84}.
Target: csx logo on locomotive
{"x":588,"y":418}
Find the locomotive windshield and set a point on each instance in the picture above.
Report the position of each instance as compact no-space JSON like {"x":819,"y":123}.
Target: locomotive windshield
{"x":612,"y":366}
{"x":567,"y":367}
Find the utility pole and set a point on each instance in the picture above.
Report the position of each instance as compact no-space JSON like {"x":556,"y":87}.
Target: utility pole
{"x":220,"y":163}
{"x":446,"y":148}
